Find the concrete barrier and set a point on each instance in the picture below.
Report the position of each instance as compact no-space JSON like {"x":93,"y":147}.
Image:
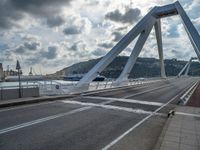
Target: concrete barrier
{"x":6,"y":94}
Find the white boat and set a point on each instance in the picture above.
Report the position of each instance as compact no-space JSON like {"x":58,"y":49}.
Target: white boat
{"x":24,"y":78}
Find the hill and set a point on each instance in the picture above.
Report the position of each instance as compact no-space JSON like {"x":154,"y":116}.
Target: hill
{"x":144,"y":67}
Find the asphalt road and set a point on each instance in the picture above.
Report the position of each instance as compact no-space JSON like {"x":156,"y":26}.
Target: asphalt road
{"x":117,"y":119}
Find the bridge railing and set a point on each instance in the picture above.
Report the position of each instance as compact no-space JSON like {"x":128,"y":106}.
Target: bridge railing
{"x":59,"y":87}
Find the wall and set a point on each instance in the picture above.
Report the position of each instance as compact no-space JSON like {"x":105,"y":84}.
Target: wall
{"x":6,"y":94}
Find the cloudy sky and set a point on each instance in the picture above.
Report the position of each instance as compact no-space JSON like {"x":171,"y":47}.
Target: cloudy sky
{"x":52,"y":34}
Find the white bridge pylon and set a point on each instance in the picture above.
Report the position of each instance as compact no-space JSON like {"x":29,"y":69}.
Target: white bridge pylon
{"x":142,"y":29}
{"x":186,"y":68}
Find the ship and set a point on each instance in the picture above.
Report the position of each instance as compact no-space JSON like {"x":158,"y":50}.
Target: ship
{"x":78,"y":77}
{"x":24,"y":78}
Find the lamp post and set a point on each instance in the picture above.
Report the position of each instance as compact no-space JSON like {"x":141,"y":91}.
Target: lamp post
{"x":18,"y":67}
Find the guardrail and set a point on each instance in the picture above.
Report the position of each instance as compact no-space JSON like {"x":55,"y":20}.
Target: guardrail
{"x":51,"y":87}
{"x":185,"y":97}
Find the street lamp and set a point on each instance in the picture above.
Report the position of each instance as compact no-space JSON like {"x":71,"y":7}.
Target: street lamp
{"x":18,"y":67}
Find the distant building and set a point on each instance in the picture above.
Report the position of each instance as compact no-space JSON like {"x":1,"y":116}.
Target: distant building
{"x":8,"y":72}
{"x":11,"y":73}
{"x":1,"y":71}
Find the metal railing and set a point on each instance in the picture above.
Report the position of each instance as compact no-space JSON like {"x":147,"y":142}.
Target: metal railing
{"x":52,"y":87}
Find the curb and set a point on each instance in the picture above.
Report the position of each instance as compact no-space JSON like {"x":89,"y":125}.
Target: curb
{"x":162,"y":135}
{"x":10,"y":103}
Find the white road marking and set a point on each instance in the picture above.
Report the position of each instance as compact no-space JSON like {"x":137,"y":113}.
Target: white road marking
{"x":187,"y":114}
{"x":126,"y":100}
{"x":138,"y":111}
{"x":165,"y":86}
{"x":47,"y":118}
{"x":113,"y":89}
{"x":139,"y":123}
{"x":23,"y":125}
{"x":2,"y":131}
{"x":26,"y":106}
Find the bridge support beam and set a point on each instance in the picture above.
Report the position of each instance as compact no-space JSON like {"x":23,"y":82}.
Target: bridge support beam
{"x":148,"y":20}
{"x":123,"y":78}
{"x":190,"y":29}
{"x":181,"y":72}
{"x":188,"y":68}
{"x":160,"y":47}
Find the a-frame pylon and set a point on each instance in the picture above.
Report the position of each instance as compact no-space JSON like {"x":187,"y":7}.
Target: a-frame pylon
{"x":186,"y":68}
{"x":143,"y":28}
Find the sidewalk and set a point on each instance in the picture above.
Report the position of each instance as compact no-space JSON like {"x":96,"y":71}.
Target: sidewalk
{"x":30,"y":100}
{"x":182,"y":131}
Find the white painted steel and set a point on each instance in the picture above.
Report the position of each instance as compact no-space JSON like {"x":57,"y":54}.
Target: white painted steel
{"x":155,"y":14}
{"x":123,"y":78}
{"x":190,"y":29}
{"x":186,"y":68}
{"x":111,"y":55}
{"x":160,"y":47}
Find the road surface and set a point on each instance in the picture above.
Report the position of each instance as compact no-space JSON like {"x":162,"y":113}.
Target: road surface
{"x":124,"y":118}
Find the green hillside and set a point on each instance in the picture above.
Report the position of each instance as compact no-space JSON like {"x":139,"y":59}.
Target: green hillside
{"x":144,"y":67}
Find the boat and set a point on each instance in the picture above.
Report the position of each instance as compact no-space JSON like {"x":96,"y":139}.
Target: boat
{"x":78,"y":77}
{"x":24,"y":78}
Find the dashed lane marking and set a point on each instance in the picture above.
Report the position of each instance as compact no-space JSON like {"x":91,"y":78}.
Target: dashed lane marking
{"x":150,"y":90}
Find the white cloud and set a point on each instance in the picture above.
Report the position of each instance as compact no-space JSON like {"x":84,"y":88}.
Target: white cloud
{"x":91,"y":35}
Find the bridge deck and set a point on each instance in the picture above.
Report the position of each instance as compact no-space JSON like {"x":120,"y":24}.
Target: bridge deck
{"x":117,"y":119}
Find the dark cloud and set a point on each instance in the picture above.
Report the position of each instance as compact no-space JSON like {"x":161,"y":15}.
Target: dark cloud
{"x":8,"y":15}
{"x":131,"y":15}
{"x":3,"y":46}
{"x":6,"y":56}
{"x":77,"y":25}
{"x":38,"y":7}
{"x":42,"y":55}
{"x":74,"y":47}
{"x":99,"y":52}
{"x":174,"y":51}
{"x":20,"y":49}
{"x":12,"y":11}
{"x":32,"y":45}
{"x":33,"y":61}
{"x":105,"y":45}
{"x":51,"y":53}
{"x":72,"y":30}
{"x":55,"y":21}
{"x":27,"y":47}
{"x":122,"y":28}
{"x":117,"y":36}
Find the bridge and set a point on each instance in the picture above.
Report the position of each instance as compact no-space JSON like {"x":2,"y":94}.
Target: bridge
{"x":152,"y":114}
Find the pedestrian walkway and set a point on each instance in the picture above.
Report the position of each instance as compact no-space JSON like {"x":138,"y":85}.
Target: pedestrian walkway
{"x":182,"y":131}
